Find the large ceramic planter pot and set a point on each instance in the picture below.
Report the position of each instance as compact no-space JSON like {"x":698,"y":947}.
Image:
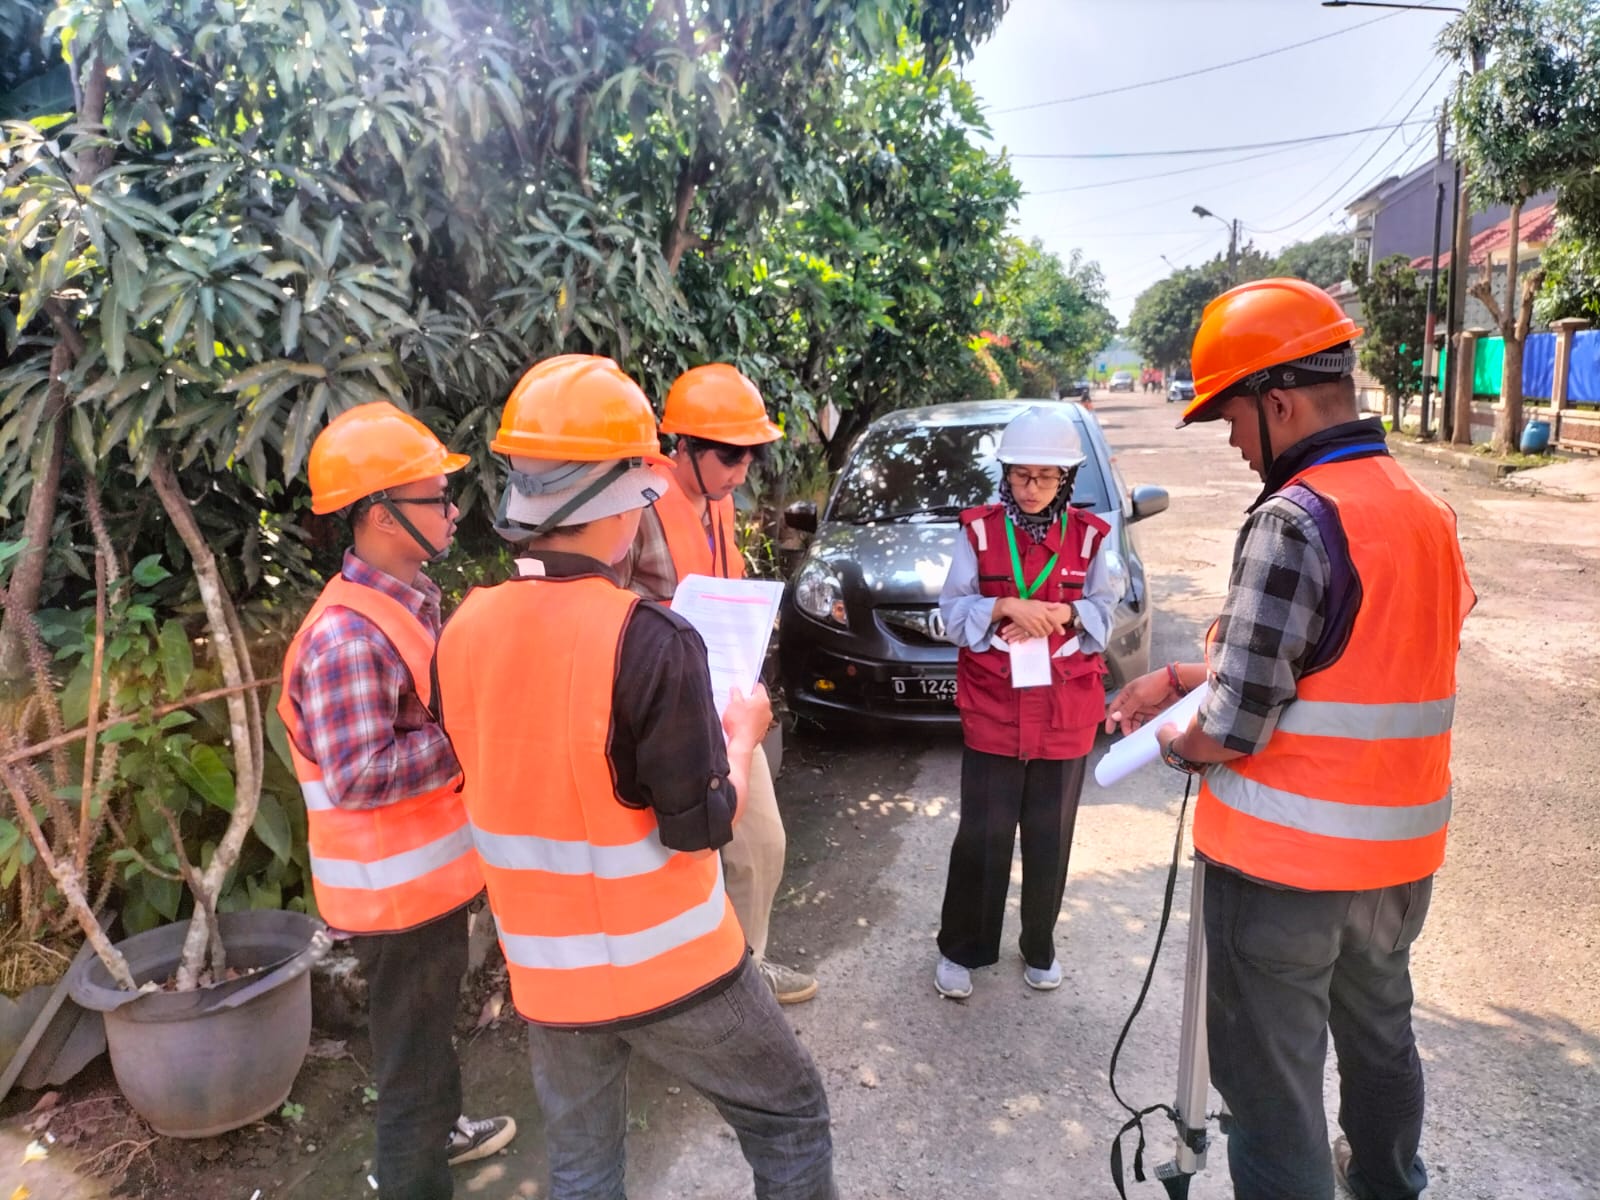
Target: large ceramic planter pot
{"x":195,"y":1064}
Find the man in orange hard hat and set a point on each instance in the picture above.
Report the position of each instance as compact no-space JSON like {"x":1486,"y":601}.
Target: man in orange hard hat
{"x":392,"y":862}
{"x":599,"y":787}
{"x":721,"y":423}
{"x":1324,"y":753}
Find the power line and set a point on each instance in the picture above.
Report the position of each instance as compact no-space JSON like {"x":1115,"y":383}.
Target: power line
{"x":1354,"y":150}
{"x":1211,"y":166}
{"x":1299,"y":141}
{"x":1354,"y":175}
{"x":1132,"y":87}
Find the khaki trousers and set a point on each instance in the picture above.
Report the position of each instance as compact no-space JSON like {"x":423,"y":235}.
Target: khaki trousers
{"x":752,"y":863}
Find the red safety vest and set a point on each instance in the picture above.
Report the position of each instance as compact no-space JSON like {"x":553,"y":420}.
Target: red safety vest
{"x":598,"y":920}
{"x":1037,"y":722}
{"x":1353,"y":789}
{"x":695,"y":549}
{"x":391,"y":868}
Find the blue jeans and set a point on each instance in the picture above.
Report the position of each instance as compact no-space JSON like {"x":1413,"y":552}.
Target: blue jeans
{"x":414,"y":988}
{"x":1285,"y":968}
{"x":734,"y":1048}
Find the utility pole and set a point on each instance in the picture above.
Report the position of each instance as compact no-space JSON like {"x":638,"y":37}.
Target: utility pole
{"x":1461,"y":401}
{"x":1233,"y":252}
{"x":1433,"y":280}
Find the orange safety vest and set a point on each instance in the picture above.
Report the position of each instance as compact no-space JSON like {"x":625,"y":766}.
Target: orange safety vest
{"x":598,"y":920}
{"x":1352,"y":791}
{"x":695,"y":550}
{"x":391,"y":868}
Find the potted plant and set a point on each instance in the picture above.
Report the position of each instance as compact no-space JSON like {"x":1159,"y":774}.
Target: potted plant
{"x":207,"y":1021}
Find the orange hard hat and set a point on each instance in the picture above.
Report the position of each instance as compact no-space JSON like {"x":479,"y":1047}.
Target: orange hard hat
{"x":1259,"y":325}
{"x":577,"y":408}
{"x":372,"y":447}
{"x":718,"y":403}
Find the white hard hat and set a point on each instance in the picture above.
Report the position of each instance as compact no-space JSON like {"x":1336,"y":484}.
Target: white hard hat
{"x":1041,"y":437}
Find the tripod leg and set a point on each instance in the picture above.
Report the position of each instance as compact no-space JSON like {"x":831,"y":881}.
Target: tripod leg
{"x":1194,"y":1074}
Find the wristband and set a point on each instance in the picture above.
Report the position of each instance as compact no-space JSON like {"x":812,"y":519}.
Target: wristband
{"x":1172,"y":678}
{"x":1178,"y":762}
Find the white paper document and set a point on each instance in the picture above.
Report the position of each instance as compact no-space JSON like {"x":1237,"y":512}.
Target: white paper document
{"x":1030,"y":659}
{"x":734,"y":618}
{"x":1139,"y":748}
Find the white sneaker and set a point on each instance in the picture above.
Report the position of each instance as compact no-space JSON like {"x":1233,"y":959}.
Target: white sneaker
{"x":952,"y":979}
{"x":1046,"y":980}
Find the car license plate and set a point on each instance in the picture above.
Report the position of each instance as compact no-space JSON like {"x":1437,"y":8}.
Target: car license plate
{"x":924,"y":687}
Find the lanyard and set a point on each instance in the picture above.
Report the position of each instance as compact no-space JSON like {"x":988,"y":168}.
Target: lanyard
{"x":1026,"y":589}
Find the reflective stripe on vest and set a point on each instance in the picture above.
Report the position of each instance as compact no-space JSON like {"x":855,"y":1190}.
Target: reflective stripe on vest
{"x":524,"y":853}
{"x":396,"y":866}
{"x":395,"y":871}
{"x":599,"y":921}
{"x":1368,"y":722}
{"x":1352,"y":789}
{"x":1327,"y":818}
{"x":578,"y":950}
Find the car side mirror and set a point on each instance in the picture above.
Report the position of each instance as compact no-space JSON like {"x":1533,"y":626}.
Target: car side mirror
{"x":1148,"y":500}
{"x":802,"y":515}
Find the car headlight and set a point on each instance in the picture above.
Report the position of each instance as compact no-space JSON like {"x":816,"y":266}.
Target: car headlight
{"x":1117,"y":573}
{"x":818,"y":593}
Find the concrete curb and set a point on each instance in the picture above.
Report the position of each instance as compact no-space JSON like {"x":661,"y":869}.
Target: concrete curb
{"x":1451,"y":457}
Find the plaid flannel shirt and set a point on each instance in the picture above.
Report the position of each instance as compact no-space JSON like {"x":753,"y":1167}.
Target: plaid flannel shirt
{"x":359,"y":711}
{"x":1270,"y":624}
{"x":648,"y":569}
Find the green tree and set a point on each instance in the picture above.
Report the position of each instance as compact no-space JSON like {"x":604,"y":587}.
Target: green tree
{"x":1394,"y":305}
{"x":1053,"y":313}
{"x":1323,"y":260}
{"x":1528,"y":121}
{"x":1166,"y":315}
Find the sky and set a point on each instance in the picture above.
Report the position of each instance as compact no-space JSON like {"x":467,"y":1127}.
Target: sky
{"x":1048,"y":50}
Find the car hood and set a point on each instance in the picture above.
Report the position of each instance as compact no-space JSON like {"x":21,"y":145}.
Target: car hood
{"x":899,"y":562}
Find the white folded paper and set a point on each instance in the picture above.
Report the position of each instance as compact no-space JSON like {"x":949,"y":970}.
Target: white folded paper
{"x":1139,"y":748}
{"x":734,"y":618}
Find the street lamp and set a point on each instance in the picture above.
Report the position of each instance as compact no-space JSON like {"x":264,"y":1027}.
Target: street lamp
{"x":1202,"y":211}
{"x":1455,"y":302}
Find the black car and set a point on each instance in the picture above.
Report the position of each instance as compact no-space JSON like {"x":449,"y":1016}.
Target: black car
{"x":860,"y":635}
{"x":1080,"y":390}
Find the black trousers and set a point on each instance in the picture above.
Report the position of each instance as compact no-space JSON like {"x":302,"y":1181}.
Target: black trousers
{"x":999,"y":794}
{"x":414,"y":988}
{"x":1285,"y":968}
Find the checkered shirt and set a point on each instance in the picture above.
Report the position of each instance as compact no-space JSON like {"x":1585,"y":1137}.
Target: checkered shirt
{"x":1269,"y":626}
{"x":648,"y":569}
{"x":361,"y":719}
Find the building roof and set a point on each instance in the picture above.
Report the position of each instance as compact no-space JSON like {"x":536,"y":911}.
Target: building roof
{"x":1538,"y":224}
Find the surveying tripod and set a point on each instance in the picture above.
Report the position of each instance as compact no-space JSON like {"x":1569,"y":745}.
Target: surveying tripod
{"x":1194,"y":1071}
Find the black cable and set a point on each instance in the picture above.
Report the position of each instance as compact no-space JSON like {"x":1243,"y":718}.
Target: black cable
{"x":1299,"y":141}
{"x":1133,"y":87}
{"x":1344,"y":187}
{"x":1136,"y":1120}
{"x":1354,"y":150}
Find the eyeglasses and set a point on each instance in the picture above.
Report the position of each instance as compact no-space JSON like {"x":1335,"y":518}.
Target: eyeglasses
{"x":444,"y":500}
{"x":1047,"y":479}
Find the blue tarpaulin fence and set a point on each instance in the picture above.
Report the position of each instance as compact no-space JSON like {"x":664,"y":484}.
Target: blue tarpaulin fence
{"x":1539,"y":367}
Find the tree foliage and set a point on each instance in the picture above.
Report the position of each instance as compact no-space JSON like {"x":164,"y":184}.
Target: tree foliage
{"x":1166,"y":315}
{"x":1528,"y":121}
{"x":1394,"y":306}
{"x":1052,"y":316}
{"x":222,"y":224}
{"x":1323,"y":260}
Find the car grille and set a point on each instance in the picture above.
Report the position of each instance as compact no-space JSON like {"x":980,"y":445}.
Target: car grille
{"x":915,"y":626}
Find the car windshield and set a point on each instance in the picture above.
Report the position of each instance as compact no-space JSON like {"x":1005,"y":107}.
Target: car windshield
{"x":931,"y":473}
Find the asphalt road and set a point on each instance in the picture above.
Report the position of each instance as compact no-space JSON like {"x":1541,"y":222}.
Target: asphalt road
{"x":1006,"y":1094}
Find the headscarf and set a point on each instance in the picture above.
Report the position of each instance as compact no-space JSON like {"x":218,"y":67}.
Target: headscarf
{"x":1037,"y":525}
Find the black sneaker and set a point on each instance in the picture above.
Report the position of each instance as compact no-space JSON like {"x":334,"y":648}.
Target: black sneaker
{"x":471,"y":1139}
